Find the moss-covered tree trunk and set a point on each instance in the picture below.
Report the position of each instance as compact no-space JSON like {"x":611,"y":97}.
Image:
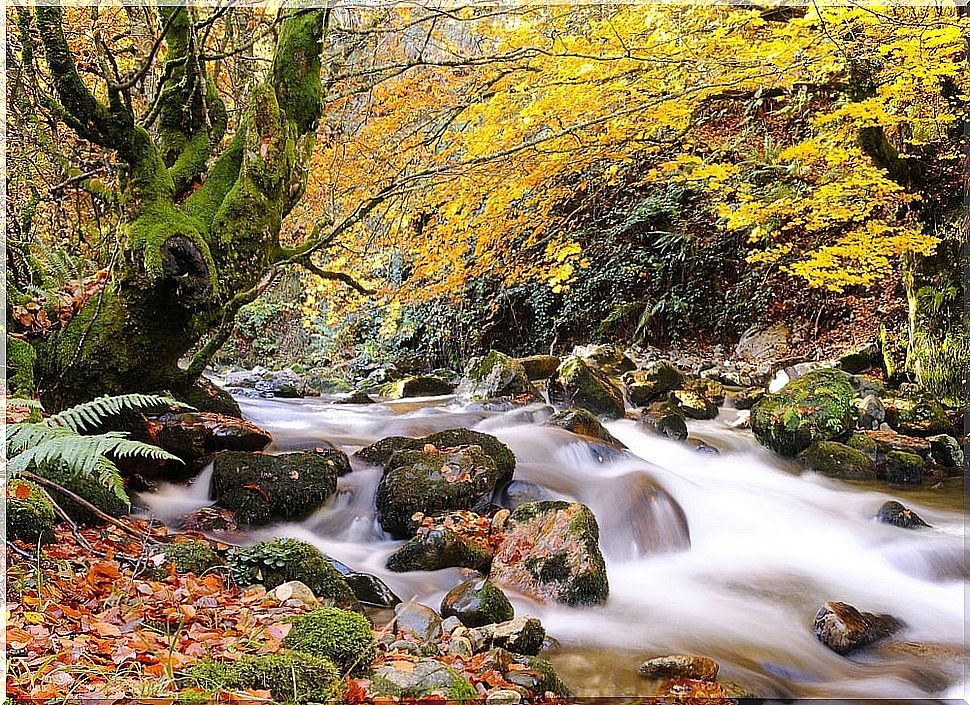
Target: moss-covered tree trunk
{"x":199,"y":227}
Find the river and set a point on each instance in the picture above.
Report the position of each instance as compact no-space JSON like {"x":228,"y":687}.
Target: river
{"x":767,"y":547}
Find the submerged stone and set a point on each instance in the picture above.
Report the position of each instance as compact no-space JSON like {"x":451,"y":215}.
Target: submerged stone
{"x":842,"y":627}
{"x":896,"y":514}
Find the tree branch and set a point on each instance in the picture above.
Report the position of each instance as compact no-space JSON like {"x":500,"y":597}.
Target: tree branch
{"x":337,"y":276}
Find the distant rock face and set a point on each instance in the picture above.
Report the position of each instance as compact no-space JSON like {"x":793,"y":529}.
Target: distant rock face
{"x":842,"y":627}
{"x":550,"y":550}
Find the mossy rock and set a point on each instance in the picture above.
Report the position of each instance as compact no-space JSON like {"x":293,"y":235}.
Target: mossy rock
{"x":917,"y":415}
{"x":292,"y":678}
{"x":539,"y":366}
{"x":862,"y":443}
{"x":664,"y":419}
{"x":609,"y":359}
{"x":495,"y":375}
{"x":838,"y":460}
{"x":279,"y":561}
{"x":192,"y":557}
{"x":577,"y":384}
{"x":747,"y":398}
{"x":417,"y":386}
{"x":539,"y":676}
{"x":902,"y":468}
{"x":819,"y":406}
{"x":710,"y":389}
{"x":87,"y":488}
{"x":264,"y":488}
{"x":694,"y":405}
{"x":346,"y":638}
{"x":431,"y":482}
{"x":30,"y":519}
{"x":381,"y":452}
{"x":583,"y":423}
{"x":477,"y":602}
{"x":550,"y":550}
{"x":426,"y":677}
{"x":206,"y":396}
{"x":436,"y":549}
{"x":653,"y":382}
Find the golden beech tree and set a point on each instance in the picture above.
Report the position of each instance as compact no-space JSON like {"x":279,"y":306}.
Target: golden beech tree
{"x":470,"y":143}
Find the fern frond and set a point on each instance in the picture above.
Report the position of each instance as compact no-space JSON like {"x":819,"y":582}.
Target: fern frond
{"x":110,"y":477}
{"x":81,"y":455}
{"x":32,"y":404}
{"x":25,"y":434}
{"x":91,"y":414}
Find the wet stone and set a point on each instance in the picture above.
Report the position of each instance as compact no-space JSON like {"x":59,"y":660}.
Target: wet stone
{"x":680,"y":665}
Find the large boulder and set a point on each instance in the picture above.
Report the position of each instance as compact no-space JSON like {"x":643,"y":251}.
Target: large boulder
{"x":194,"y":434}
{"x":838,"y":460}
{"x":583,"y":423}
{"x":917,"y":415}
{"x":902,"y":468}
{"x":477,"y":602}
{"x":453,"y":540}
{"x":495,"y":375}
{"x":380,"y":453}
{"x":417,"y":621}
{"x":262,"y":382}
{"x":763,"y":344}
{"x":818,"y":406}
{"x":664,"y":419}
{"x":608,"y":358}
{"x":550,"y":550}
{"x":431,"y":481}
{"x":279,"y":561}
{"x":947,"y":452}
{"x":265,"y":488}
{"x":653,"y":382}
{"x":539,"y":366}
{"x":290,"y":677}
{"x":842,"y":627}
{"x":417,"y":386}
{"x":577,"y":384}
{"x":694,"y":404}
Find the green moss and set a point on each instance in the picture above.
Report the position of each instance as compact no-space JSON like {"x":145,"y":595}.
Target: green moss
{"x":192,"y":557}
{"x":862,"y":443}
{"x":902,"y":468}
{"x":918,"y":415}
{"x":419,"y":386}
{"x":87,"y":488}
{"x":291,"y":677}
{"x":296,"y":69}
{"x":279,"y":561}
{"x":495,"y":375}
{"x":343,"y":637}
{"x":817,"y":407}
{"x":21,"y":357}
{"x":205,"y":396}
{"x":838,"y":460}
{"x":892,"y":344}
{"x":549,"y":680}
{"x":31,"y":519}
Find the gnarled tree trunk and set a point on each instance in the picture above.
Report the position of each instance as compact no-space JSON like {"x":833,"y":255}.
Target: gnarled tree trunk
{"x":199,"y":232}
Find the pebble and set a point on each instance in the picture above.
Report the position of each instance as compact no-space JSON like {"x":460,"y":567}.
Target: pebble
{"x":503,"y":697}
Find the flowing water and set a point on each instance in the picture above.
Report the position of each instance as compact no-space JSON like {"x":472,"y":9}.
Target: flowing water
{"x":729,"y":556}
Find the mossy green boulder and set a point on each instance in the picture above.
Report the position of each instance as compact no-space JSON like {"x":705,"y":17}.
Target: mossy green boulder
{"x":838,"y":460}
{"x":653,"y":382}
{"x":578,"y":384}
{"x":664,"y":419}
{"x":380,"y":453}
{"x":916,"y":415}
{"x":694,"y":404}
{"x":86,"y":488}
{"x":30,"y":514}
{"x":433,"y":481}
{"x":539,"y":366}
{"x":477,"y":602}
{"x":425,"y":678}
{"x":192,"y":557}
{"x":550,"y":550}
{"x":440,"y":547}
{"x":495,"y":375}
{"x":608,"y":358}
{"x":346,"y":638}
{"x":819,"y":406}
{"x":292,"y":678}
{"x":265,"y":488}
{"x":272,"y":563}
{"x":902,"y":468}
